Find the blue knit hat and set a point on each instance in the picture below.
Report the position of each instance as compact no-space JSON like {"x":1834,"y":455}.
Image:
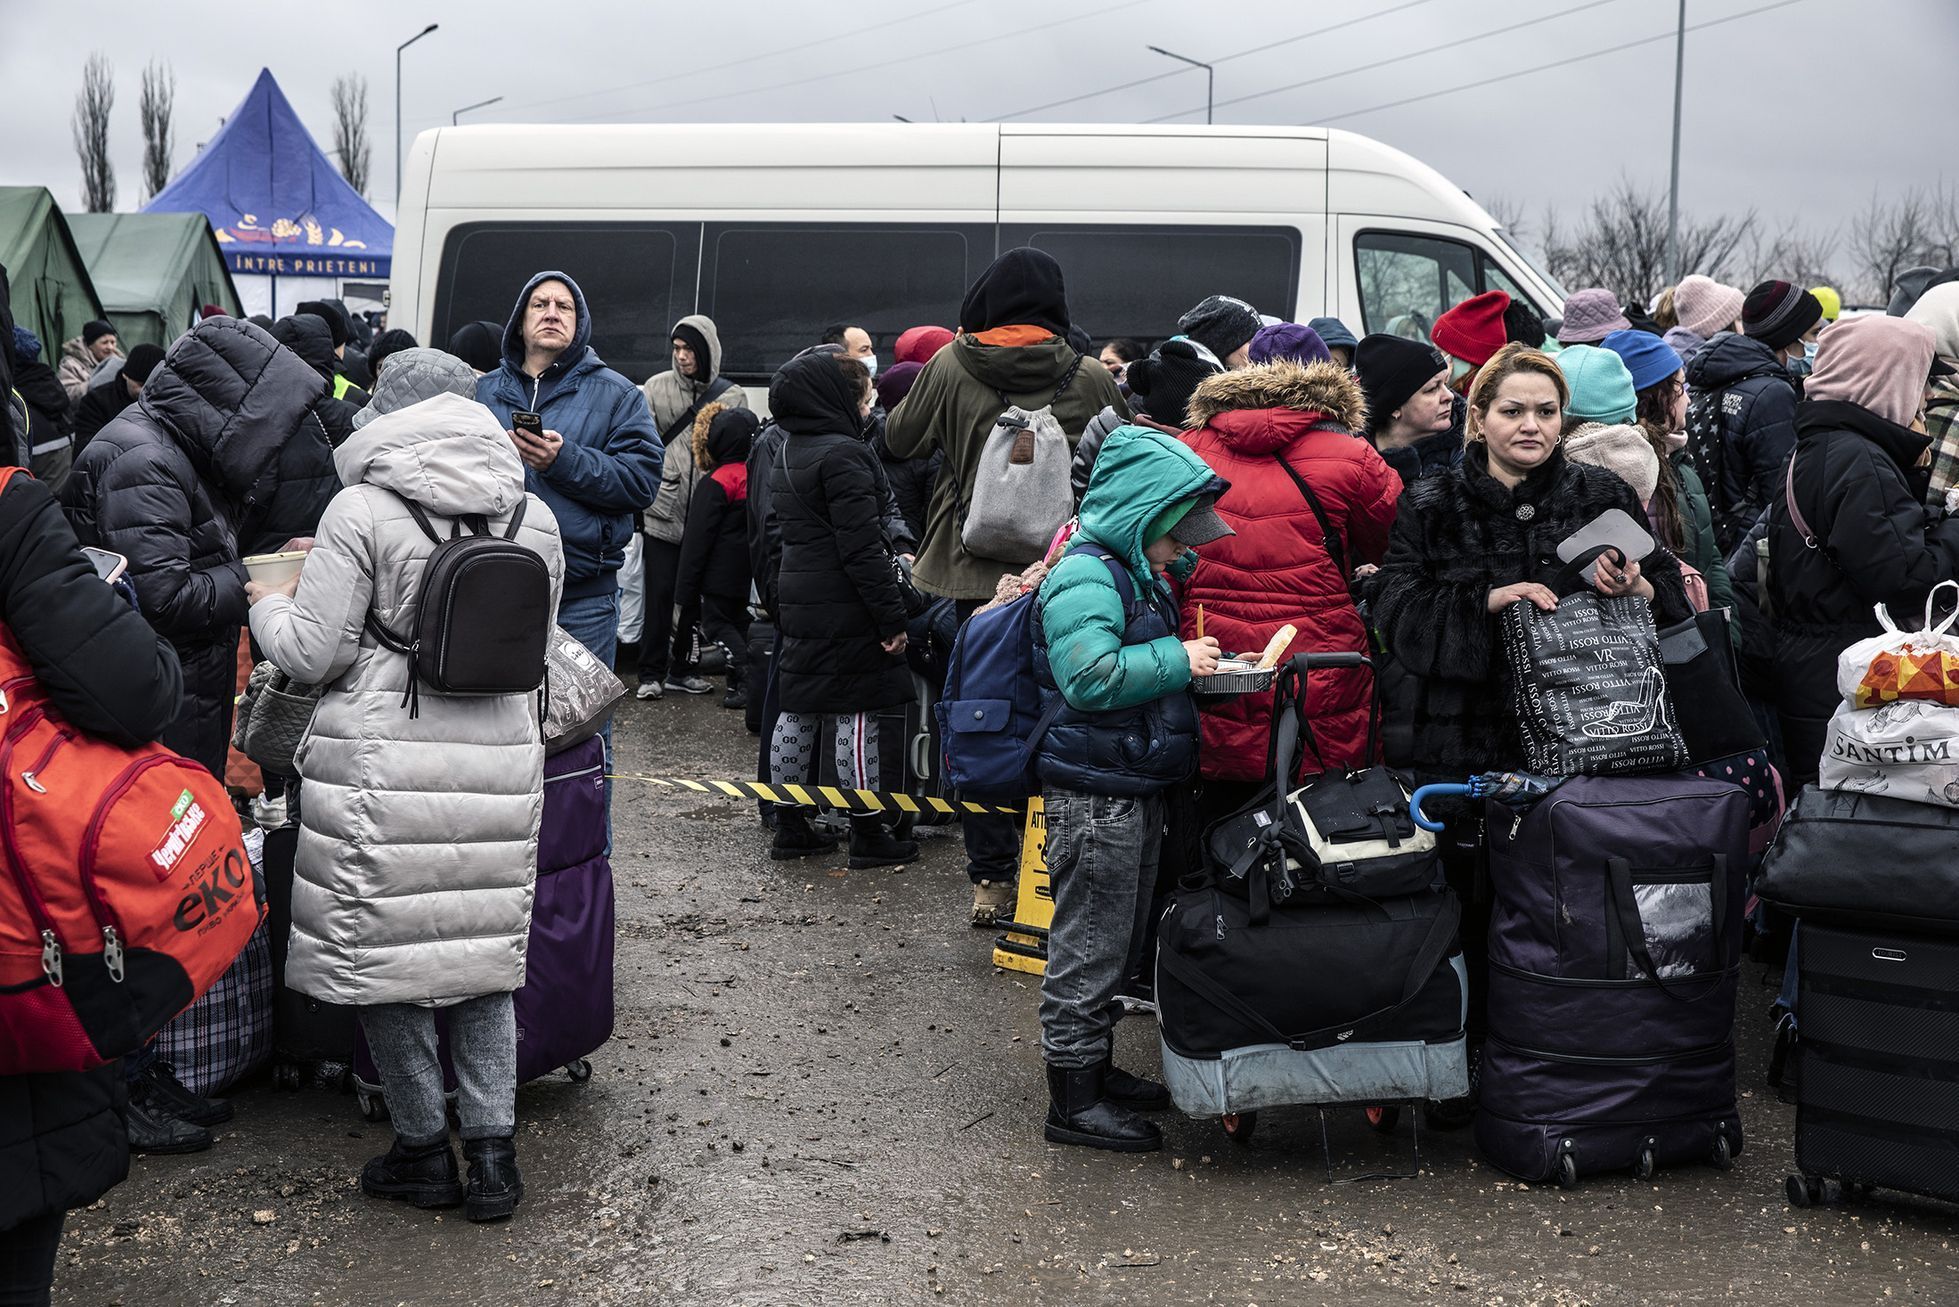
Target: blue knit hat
{"x":1601,"y":387}
{"x":1333,"y":332}
{"x":1649,"y":359}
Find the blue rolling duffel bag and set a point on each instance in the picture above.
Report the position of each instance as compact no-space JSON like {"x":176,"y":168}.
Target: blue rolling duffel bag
{"x":1615,"y":947}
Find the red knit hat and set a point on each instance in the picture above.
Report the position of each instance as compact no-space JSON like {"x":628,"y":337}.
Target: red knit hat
{"x":919,"y":344}
{"x":1473,"y":330}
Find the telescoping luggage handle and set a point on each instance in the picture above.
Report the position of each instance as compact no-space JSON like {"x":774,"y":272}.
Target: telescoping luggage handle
{"x":1288,"y":725}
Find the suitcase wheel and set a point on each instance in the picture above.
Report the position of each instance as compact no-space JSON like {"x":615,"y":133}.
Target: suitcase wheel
{"x":1238,"y":1126}
{"x":1805,"y":1191}
{"x":1567,"y":1171}
{"x":1384,"y":1119}
{"x":1643,"y":1167}
{"x":373,"y":1106}
{"x":286,"y":1075}
{"x":580,"y":1071}
{"x":1723,"y":1156}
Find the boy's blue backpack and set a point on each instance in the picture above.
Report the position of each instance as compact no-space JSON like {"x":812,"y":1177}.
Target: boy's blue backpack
{"x":990,"y":718}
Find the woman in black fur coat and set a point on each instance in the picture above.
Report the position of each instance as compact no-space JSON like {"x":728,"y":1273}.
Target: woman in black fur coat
{"x":1467,"y":543}
{"x":1470,"y":542}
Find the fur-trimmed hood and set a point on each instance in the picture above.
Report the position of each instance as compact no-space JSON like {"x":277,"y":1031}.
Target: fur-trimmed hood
{"x":1324,"y":388}
{"x":703,"y":423}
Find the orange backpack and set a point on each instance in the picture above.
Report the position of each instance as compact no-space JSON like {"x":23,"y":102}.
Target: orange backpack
{"x":127,"y":891}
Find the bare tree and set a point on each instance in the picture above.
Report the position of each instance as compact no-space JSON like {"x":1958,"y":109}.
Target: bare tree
{"x":1918,"y":227}
{"x":93,"y":104}
{"x":157,"y":105}
{"x":350,"y":139}
{"x":1509,"y":215}
{"x":1621,"y":242}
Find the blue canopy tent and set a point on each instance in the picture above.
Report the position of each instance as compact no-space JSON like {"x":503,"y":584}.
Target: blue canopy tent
{"x":290,"y":226}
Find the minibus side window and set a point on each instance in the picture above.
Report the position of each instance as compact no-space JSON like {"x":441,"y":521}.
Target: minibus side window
{"x":1407,"y":280}
{"x":772,"y":288}
{"x":1137,"y":280}
{"x":638,"y":280}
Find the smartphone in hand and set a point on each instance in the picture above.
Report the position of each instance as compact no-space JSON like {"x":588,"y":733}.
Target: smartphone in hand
{"x":531,"y":424}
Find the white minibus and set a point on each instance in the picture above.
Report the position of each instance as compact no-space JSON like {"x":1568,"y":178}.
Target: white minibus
{"x":777,"y":231}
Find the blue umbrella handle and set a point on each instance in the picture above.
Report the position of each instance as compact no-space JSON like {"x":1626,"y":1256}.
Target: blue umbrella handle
{"x":1439,"y":791}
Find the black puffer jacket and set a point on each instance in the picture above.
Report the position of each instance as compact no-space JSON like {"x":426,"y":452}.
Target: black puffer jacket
{"x":62,"y":1142}
{"x":714,"y":543}
{"x":192,"y":469}
{"x":1458,"y":535}
{"x":1741,"y":425}
{"x":1858,"y":488}
{"x":837,"y":599}
{"x":308,"y":336}
{"x":911,"y":480}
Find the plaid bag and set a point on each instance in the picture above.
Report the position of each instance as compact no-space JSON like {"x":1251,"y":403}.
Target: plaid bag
{"x":227,"y":1034}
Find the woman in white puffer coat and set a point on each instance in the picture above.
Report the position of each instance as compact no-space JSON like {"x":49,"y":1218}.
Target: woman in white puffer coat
{"x":418,"y":835}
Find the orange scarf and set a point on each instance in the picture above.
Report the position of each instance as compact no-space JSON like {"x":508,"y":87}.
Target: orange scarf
{"x":1021,"y":334}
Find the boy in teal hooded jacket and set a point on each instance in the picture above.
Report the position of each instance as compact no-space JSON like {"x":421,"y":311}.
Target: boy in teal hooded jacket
{"x":1125,"y":731}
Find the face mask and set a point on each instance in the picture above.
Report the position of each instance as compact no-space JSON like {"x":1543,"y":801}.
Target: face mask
{"x":1802,"y":367}
{"x":1458,"y":369}
{"x":870,"y":363}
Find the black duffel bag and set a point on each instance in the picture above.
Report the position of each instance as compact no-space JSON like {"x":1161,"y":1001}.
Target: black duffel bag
{"x":1345,"y":829}
{"x":1323,"y":969}
{"x":1703,"y":679}
{"x":1865,"y":859}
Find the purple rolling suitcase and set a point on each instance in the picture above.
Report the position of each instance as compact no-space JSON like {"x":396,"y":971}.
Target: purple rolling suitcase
{"x":564,"y":1010}
{"x":1615,"y":945}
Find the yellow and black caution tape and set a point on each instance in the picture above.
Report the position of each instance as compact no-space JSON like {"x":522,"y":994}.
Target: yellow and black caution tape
{"x":816,"y":796}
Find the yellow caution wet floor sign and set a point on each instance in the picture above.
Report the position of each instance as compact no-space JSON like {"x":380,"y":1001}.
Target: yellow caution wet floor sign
{"x":1024,"y":945}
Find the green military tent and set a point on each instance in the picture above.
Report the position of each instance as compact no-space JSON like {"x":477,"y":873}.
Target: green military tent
{"x":52,"y":294}
{"x":154,"y":271}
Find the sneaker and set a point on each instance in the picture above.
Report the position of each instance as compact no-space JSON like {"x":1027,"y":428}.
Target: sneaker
{"x":649,"y":690}
{"x":496,"y":1186}
{"x":424,"y":1177}
{"x":736,"y":697}
{"x":152,"y":1129}
{"x":690,"y":684}
{"x":269,"y":811}
{"x":993,"y":902}
{"x":159,"y":1085}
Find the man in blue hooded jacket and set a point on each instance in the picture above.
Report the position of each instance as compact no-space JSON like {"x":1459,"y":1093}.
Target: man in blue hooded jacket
{"x":597,"y":464}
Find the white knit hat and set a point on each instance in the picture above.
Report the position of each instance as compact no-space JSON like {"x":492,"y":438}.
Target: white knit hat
{"x":1623,"y":450}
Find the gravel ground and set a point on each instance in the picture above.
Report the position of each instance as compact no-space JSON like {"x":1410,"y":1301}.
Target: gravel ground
{"x":820,"y":1090}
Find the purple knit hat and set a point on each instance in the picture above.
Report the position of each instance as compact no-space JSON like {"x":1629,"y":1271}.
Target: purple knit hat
{"x":1289,"y":340}
{"x":1590,"y":315}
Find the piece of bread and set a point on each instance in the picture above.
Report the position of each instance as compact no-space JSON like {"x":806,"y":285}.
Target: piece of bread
{"x":1276,"y":649}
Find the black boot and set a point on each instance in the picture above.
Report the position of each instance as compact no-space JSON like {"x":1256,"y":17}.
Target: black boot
{"x":1132,"y":1091}
{"x":873,"y":845}
{"x":796,"y":838}
{"x":153,"y":1130}
{"x":160,"y":1083}
{"x":1079,"y":1112}
{"x":495,"y":1184}
{"x":425,"y":1176}
{"x":737,"y":695}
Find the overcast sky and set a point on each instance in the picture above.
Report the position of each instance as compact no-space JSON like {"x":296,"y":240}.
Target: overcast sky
{"x":1802,"y":110}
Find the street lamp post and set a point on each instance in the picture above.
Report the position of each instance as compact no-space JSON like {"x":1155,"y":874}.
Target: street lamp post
{"x":457,"y":116}
{"x":1210,"y":74}
{"x":398,"y":49}
{"x":1673,"y":186}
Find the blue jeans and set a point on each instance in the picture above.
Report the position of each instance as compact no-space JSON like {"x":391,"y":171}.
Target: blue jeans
{"x":1101,"y":854}
{"x":593,"y":620}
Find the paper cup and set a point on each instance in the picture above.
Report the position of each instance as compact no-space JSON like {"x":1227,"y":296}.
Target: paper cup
{"x":274,"y":569}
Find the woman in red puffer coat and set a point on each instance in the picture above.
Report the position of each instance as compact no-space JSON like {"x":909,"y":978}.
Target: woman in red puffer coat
{"x":1265,"y":430}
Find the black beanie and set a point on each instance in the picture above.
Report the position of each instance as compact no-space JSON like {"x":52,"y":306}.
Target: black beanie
{"x":95,"y":330}
{"x":336,"y":324}
{"x":1391,"y":370}
{"x":479,"y":344}
{"x":142,"y":361}
{"x":1166,"y":379}
{"x":1778,"y":313}
{"x":1522,"y":325}
{"x":1221,"y":324}
{"x":391,"y":341}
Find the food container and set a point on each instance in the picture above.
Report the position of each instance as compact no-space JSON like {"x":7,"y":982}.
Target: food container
{"x":1235,"y":676}
{"x":274,"y":569}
